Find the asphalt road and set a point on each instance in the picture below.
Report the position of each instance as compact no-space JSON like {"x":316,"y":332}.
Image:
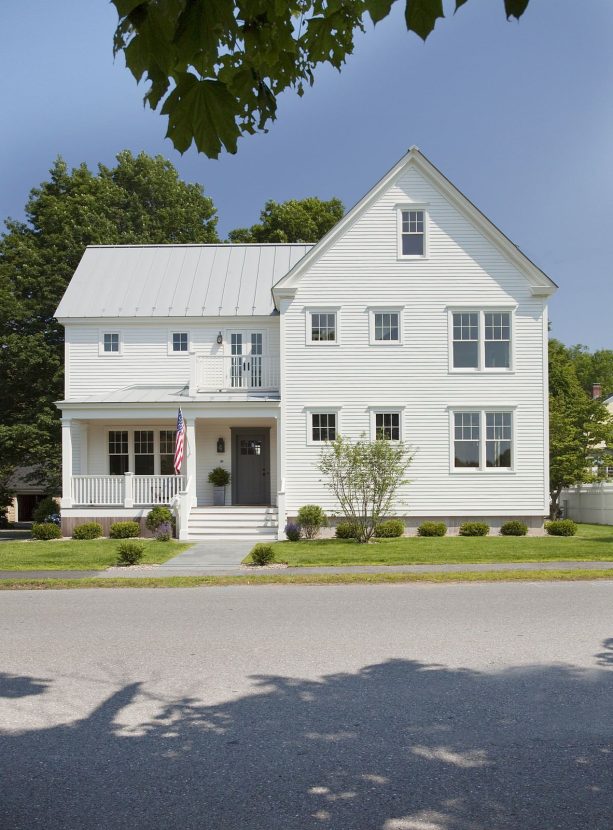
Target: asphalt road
{"x":395,"y":707}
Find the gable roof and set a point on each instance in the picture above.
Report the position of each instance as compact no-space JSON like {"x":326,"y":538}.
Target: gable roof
{"x":177,"y":280}
{"x":541,"y":284}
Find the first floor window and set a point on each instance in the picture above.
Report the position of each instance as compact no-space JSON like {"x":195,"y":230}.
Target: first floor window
{"x":482,"y":440}
{"x":119,"y":458}
{"x":143,"y":452}
{"x":180,"y":341}
{"x":111,"y":341}
{"x":467,"y":439}
{"x":387,"y":426}
{"x":323,"y":426}
{"x":498,"y":439}
{"x":167,"y":452}
{"x":387,"y":326}
{"x":323,"y":327}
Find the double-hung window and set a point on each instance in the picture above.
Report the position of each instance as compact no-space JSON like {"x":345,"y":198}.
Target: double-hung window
{"x":119,"y":458}
{"x":482,"y":440}
{"x":167,"y":452}
{"x":480,"y":340}
{"x":323,"y":426}
{"x":412,"y":232}
{"x":322,"y":326}
{"x":144,"y":456}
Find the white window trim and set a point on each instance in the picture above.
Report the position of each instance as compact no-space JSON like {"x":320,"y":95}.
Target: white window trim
{"x":481,"y":311}
{"x":482,"y":469}
{"x":396,"y":410}
{"x":385,"y":309}
{"x":171,"y":351}
{"x":101,"y":351}
{"x":321,"y":309}
{"x":411,"y":206}
{"x":317,"y":410}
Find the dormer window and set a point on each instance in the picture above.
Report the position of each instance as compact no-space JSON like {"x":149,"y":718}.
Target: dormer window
{"x":412,"y":232}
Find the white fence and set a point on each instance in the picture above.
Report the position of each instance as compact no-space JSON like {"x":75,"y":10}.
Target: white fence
{"x":591,"y":503}
{"x":127,"y":490}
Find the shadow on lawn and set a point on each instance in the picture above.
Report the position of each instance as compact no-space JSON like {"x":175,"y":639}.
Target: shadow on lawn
{"x":400,"y":745}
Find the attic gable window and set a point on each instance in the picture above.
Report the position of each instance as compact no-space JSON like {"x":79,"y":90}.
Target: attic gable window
{"x":412,"y":233}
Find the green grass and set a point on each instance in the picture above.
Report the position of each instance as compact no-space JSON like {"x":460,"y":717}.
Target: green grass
{"x":592,"y":543}
{"x":91,"y":555}
{"x":577,"y":575}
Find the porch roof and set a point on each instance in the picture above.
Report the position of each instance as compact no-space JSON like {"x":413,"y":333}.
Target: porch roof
{"x":168,"y":393}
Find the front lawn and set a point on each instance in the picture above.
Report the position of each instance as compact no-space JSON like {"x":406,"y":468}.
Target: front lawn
{"x":70,"y":555}
{"x":592,"y":543}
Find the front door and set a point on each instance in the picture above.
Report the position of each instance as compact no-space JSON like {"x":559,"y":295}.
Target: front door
{"x":251,"y":467}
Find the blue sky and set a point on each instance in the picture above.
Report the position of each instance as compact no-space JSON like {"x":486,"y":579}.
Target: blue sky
{"x":518,"y":115}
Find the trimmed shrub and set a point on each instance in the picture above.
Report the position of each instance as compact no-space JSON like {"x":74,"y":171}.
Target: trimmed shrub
{"x":346,"y":530}
{"x":262,"y":554}
{"x":219,"y":477}
{"x":46,"y":508}
{"x":292,"y":531}
{"x":124,"y":530}
{"x":432,"y":529}
{"x":164,"y":532}
{"x":88,"y":530}
{"x":311,"y":519}
{"x":561,"y":527}
{"x":130,"y":553}
{"x":514,"y":528}
{"x":474,"y":529}
{"x":390,"y":529}
{"x":46,"y":530}
{"x":157,"y":516}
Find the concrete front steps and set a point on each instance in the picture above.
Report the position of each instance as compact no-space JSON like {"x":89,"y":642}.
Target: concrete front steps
{"x":239,"y":522}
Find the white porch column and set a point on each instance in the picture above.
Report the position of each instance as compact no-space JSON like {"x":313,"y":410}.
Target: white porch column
{"x":128,"y":493}
{"x":190,"y":456}
{"x":66,"y":462}
{"x":84,"y":449}
{"x":281,"y":514}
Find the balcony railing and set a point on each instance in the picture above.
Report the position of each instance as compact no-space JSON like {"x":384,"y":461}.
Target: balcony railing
{"x":215,"y":373}
{"x":126,"y":491}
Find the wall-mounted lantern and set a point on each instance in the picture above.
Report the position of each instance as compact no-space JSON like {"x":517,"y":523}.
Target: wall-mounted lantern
{"x":220,"y":338}
{"x":221,"y":445}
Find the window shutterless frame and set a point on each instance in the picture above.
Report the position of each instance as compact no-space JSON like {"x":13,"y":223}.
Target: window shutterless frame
{"x":322,"y":326}
{"x":110,"y":343}
{"x":385,"y":325}
{"x":179,"y":342}
{"x":412,"y":231}
{"x":322,"y":424}
{"x":386,"y":422}
{"x":481,"y":340}
{"x":486,"y":439}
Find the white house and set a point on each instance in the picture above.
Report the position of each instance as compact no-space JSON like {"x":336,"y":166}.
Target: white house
{"x":414,"y":317}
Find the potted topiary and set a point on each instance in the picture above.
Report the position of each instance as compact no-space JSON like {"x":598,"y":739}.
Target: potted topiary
{"x":219,"y":478}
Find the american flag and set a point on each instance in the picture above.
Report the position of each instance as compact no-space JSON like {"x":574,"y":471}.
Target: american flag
{"x":179,"y":443}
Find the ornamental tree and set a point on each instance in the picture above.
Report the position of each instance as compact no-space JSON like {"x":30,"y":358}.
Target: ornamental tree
{"x":297,"y":220}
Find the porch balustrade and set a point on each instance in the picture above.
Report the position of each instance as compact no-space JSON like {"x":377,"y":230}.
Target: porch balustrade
{"x":218,"y":373}
{"x":127,"y":490}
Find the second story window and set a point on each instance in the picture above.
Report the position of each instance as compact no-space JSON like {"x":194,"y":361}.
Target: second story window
{"x":412,"y":232}
{"x":480,"y":340}
{"x":322,"y":327}
{"x":110,"y":341}
{"x":180,"y":341}
{"x":323,"y":426}
{"x":387,"y":426}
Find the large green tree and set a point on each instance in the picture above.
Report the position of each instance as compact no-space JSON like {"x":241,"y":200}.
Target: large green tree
{"x":216,"y":67}
{"x":580,"y":428}
{"x":593,"y":367}
{"x":139,"y":200}
{"x":297,"y":220}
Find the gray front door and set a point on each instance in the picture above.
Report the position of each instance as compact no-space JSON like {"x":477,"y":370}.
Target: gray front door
{"x":251,"y":467}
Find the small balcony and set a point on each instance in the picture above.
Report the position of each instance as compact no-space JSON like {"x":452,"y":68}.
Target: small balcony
{"x":234,"y":373}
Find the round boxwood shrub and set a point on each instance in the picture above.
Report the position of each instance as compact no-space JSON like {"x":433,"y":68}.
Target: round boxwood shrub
{"x":346,"y":530}
{"x":45,"y":508}
{"x":390,"y":529}
{"x":514,"y":528}
{"x":262,"y":554}
{"x":46,"y":530}
{"x":474,"y":529}
{"x":561,"y":527}
{"x":219,"y":477}
{"x":156,"y":516}
{"x":292,"y":531}
{"x":88,"y":530}
{"x":130,"y":553}
{"x":124,"y":530}
{"x":432,"y":529}
{"x":311,"y":519}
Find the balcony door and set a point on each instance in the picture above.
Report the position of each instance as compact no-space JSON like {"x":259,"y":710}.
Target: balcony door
{"x":246,"y":365}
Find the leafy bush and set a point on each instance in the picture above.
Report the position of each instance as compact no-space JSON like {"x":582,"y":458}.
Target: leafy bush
{"x":262,"y":554}
{"x":311,"y":519}
{"x":292,"y":531}
{"x":514,"y":528}
{"x":474,"y":529}
{"x":432,"y":529}
{"x":390,"y":529}
{"x":46,"y":530}
{"x":88,"y":530}
{"x":561,"y":527}
{"x":219,"y":477}
{"x":46,"y":508}
{"x":124,"y":530}
{"x":130,"y":553}
{"x":164,"y":532}
{"x":347,"y":530}
{"x":157,"y":516}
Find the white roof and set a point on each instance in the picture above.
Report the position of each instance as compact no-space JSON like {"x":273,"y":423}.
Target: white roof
{"x":167,"y":393}
{"x":177,"y":280}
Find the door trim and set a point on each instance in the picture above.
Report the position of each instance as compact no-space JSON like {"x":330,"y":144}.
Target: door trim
{"x":235,"y":434}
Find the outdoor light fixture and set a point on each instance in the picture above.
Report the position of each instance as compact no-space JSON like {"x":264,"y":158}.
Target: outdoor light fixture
{"x":221,"y":445}
{"x":220,"y":338}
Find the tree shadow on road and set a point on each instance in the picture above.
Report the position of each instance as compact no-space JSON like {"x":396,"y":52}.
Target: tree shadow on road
{"x":400,"y":745}
{"x":15,"y":685}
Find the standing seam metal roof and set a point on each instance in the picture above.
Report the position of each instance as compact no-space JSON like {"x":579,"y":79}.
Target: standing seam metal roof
{"x":178,"y":280}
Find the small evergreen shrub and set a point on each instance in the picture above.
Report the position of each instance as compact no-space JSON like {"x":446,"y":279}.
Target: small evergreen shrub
{"x":130,"y":553}
{"x":514,"y":528}
{"x":311,"y":519}
{"x":474,"y":529}
{"x":157,"y":516}
{"x":46,"y":530}
{"x":346,"y":530}
{"x":390,"y":529}
{"x":262,"y":554}
{"x":164,"y":532}
{"x":432,"y":529}
{"x":292,"y":531}
{"x":124,"y":530}
{"x":46,"y":508}
{"x":561,"y":527}
{"x":219,"y":477}
{"x":88,"y":530}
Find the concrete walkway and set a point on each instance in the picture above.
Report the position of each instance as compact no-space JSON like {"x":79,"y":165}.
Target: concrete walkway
{"x":204,"y":557}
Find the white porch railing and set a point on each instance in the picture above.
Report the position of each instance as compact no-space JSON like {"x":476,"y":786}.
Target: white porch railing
{"x":215,"y":373}
{"x":98,"y":489}
{"x":156,"y":489}
{"x":127,"y":490}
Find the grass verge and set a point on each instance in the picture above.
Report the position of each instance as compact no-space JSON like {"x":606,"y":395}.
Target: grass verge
{"x":76,"y":555}
{"x":576,"y":575}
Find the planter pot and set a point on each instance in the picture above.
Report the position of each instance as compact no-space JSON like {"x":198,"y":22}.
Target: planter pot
{"x":219,"y":496}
